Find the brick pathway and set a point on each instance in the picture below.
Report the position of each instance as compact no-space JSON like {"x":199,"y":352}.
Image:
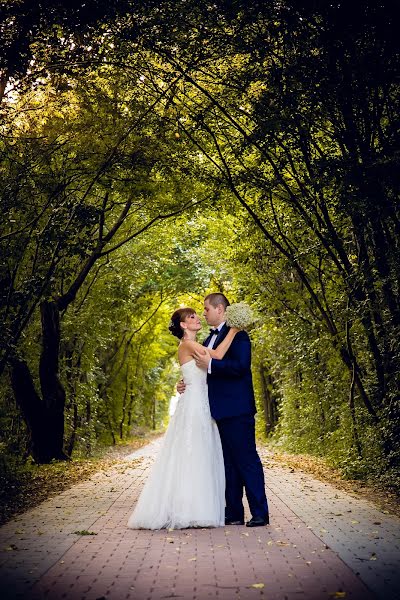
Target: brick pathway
{"x":322,"y":544}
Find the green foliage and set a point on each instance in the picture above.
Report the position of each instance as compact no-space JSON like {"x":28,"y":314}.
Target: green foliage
{"x":254,"y":151}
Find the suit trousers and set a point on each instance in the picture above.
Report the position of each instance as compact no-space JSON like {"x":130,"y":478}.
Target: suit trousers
{"x":243,"y":468}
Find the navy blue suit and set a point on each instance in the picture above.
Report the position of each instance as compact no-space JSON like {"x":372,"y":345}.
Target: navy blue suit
{"x":231,"y":396}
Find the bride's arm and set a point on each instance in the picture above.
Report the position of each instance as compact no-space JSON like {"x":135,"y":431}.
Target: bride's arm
{"x":190,"y":347}
{"x":223,"y":347}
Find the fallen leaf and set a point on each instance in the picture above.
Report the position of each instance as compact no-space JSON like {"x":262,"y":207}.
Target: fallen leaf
{"x":245,"y":533}
{"x":338,"y":595}
{"x":192,"y":559}
{"x":258,"y":586}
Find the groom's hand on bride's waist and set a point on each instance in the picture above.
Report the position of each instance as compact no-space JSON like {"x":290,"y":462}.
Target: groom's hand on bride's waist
{"x":180,"y":386}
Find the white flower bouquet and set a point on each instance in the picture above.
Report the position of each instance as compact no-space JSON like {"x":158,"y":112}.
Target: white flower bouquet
{"x":239,"y":315}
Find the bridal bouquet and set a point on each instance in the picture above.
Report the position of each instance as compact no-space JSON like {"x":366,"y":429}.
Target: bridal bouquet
{"x":239,"y":315}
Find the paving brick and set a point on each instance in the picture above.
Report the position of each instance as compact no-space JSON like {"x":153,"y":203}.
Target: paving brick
{"x":313,"y":548}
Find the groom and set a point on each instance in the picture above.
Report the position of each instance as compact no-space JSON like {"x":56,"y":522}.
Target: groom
{"x":231,"y":396}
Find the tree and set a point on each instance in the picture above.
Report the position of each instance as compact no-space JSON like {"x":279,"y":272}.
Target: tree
{"x":81,"y":212}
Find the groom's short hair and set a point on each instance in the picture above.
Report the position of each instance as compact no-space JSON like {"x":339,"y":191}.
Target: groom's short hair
{"x":217,"y":298}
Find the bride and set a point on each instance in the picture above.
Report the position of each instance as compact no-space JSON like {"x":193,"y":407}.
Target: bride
{"x":186,"y":486}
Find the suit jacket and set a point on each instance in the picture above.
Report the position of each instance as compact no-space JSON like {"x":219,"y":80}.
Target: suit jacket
{"x":230,"y":384}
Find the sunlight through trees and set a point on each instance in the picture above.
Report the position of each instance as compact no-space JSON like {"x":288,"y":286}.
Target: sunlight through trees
{"x":152,"y":152}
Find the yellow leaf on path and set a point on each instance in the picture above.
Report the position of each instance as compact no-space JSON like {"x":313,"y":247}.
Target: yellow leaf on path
{"x":338,"y":595}
{"x":354,"y":522}
{"x":170,"y":540}
{"x":270,"y":543}
{"x":245,"y":533}
{"x":258,"y":586}
{"x":191,"y":559}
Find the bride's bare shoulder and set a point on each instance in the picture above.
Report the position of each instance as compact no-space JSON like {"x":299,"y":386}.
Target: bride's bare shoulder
{"x":190,"y":344}
{"x":187,"y":347}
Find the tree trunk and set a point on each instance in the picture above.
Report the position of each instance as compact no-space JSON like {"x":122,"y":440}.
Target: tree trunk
{"x":38,"y":419}
{"x":122,"y":420}
{"x":72,"y":437}
{"x":52,"y":391}
{"x":269,"y":401}
{"x":89,"y":424}
{"x":353,"y":415}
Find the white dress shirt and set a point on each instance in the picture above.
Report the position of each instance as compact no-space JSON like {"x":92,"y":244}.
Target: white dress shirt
{"x":212,"y":342}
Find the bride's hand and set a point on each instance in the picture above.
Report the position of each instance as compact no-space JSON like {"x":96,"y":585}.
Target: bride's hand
{"x":180,"y":386}
{"x":202,"y":358}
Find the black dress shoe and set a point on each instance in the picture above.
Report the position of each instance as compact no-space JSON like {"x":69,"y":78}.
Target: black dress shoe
{"x":258,"y":522}
{"x":238,"y":522}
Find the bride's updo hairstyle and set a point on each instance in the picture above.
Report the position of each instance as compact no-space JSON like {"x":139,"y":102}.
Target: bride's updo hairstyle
{"x":176,"y":319}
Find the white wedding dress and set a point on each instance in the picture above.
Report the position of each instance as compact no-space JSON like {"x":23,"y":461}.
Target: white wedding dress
{"x":186,"y":485}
